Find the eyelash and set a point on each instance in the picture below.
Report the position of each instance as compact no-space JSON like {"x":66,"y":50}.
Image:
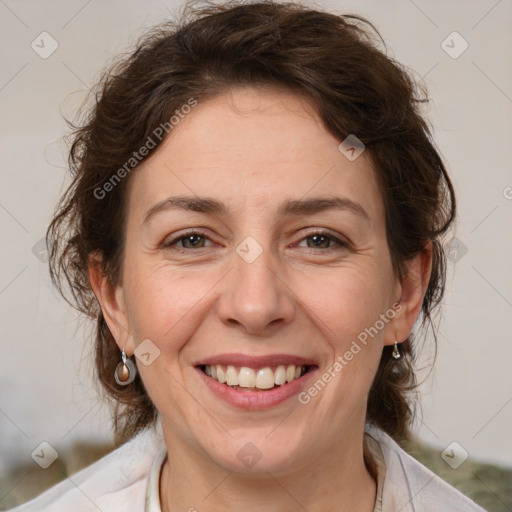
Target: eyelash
{"x":342,"y":244}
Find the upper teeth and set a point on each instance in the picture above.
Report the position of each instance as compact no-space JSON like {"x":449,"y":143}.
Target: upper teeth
{"x":262,"y":378}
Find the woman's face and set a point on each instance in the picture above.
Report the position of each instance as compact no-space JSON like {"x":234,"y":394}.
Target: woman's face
{"x":254,"y":268}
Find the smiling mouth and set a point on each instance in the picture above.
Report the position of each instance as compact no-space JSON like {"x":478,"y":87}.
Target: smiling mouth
{"x":255,"y":379}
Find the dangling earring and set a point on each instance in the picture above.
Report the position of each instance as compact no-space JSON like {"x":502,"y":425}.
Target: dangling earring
{"x":125,"y":371}
{"x":396,"y":352}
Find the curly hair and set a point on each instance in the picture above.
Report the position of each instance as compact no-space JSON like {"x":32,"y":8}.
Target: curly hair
{"x":338,"y":62}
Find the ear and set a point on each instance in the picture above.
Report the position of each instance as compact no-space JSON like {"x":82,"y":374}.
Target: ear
{"x":411,"y":292}
{"x":112,"y":302}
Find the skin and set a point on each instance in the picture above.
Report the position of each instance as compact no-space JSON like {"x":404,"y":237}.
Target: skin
{"x":253,"y":148}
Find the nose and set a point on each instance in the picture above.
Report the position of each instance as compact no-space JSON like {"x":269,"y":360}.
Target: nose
{"x":255,"y":297}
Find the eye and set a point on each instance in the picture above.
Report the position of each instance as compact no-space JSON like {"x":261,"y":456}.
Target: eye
{"x":323,"y":240}
{"x":314,"y":240}
{"x":191,"y":240}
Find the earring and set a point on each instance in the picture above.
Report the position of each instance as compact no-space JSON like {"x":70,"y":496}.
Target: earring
{"x":125,"y":371}
{"x":396,"y":352}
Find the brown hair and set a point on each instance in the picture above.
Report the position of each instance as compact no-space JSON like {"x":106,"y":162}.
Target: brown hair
{"x":333,"y":60}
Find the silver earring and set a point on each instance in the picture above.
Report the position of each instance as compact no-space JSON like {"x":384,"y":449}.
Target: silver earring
{"x":396,"y":352}
{"x":125,"y":371}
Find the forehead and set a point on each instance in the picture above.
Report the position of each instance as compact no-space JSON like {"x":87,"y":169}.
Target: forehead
{"x":253,"y":147}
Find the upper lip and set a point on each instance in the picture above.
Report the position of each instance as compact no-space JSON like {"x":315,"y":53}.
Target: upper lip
{"x":256,"y":361}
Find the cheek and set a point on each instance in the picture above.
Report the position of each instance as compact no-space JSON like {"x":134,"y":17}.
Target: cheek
{"x":165,"y":307}
{"x":353,"y":314}
{"x":348,"y":315}
{"x":347,"y":301}
{"x":350,"y":312}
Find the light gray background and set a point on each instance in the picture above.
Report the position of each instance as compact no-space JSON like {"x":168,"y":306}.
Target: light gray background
{"x":46,"y":389}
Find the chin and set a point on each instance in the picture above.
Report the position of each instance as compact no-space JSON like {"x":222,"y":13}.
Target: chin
{"x":253,"y":453}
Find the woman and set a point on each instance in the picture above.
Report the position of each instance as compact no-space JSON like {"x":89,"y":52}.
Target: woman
{"x":255,"y":226}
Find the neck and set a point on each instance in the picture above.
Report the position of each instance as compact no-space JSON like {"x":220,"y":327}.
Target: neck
{"x":336,"y":481}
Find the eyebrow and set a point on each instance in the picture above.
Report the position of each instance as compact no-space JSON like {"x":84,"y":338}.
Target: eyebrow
{"x":289,"y":207}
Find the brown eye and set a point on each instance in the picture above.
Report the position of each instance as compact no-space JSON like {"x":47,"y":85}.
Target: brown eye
{"x":192,"y":240}
{"x":320,"y":240}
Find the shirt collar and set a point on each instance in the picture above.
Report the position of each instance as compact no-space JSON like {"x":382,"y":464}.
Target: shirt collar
{"x":379,"y":460}
{"x":153,"y":488}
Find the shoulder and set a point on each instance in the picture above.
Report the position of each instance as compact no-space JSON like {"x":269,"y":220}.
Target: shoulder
{"x":118,"y":481}
{"x":409,"y":486}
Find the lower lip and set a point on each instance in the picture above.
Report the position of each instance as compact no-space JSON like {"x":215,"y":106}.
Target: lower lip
{"x":256,"y":400}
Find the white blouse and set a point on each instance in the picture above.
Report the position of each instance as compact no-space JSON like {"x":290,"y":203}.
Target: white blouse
{"x":128,"y":479}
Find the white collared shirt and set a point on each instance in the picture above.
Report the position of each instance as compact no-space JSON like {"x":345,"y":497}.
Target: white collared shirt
{"x":128,"y":479}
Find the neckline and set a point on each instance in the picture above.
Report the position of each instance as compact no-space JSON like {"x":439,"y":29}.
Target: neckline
{"x":152,"y":502}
